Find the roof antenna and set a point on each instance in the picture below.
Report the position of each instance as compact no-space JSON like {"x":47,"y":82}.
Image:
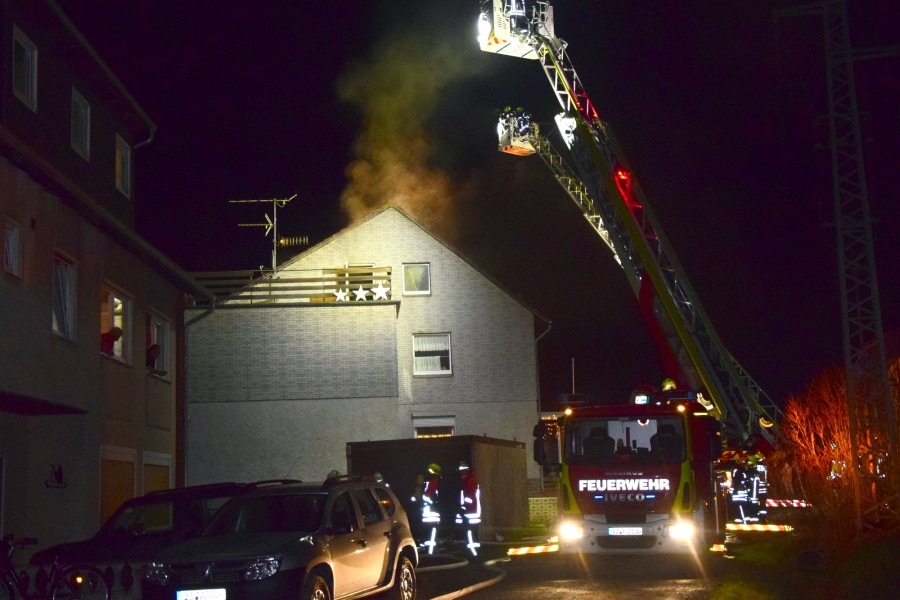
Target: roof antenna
{"x":271,"y":225}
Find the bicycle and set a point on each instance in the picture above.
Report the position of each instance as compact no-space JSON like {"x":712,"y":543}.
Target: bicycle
{"x":72,"y":582}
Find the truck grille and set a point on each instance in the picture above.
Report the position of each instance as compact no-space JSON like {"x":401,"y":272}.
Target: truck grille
{"x":637,"y":542}
{"x":206,"y":573}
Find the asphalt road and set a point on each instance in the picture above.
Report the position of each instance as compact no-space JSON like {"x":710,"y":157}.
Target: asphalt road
{"x":767,"y":566}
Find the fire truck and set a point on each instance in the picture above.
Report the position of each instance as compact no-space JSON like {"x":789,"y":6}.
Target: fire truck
{"x":597,"y":177}
{"x":638,"y":477}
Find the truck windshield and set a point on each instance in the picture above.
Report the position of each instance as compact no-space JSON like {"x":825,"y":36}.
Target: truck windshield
{"x":647,"y":441}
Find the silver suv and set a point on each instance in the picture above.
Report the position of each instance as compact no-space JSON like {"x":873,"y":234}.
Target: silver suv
{"x":346,"y":538}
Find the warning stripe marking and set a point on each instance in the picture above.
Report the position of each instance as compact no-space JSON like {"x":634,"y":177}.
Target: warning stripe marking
{"x":532,"y":550}
{"x":789,"y":503}
{"x":756,"y":527}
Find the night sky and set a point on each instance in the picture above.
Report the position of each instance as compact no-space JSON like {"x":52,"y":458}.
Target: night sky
{"x":719,"y":109}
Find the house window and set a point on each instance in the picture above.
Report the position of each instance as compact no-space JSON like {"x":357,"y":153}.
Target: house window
{"x":24,"y":69}
{"x":417,"y":279}
{"x":433,"y":427}
{"x":81,"y":125}
{"x":123,"y":167}
{"x":63,"y":300}
{"x":431,"y":354}
{"x":158,"y":345}
{"x":115,"y":323}
{"x":12,"y":248}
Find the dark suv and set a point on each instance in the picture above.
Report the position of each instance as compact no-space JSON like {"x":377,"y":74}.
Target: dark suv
{"x":346,"y":538}
{"x":144,"y":525}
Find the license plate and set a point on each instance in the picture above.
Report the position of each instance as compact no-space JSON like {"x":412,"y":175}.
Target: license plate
{"x":626,"y":531}
{"x":217,"y":594}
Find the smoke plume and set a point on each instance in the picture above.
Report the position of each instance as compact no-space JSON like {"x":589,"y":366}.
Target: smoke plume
{"x":398,"y":90}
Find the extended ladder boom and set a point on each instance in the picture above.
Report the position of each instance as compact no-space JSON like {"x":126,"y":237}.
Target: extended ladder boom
{"x":612,"y":201}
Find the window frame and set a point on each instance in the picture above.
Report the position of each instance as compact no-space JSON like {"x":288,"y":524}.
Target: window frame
{"x":434,"y":426}
{"x":12,"y":248}
{"x":123,"y":166}
{"x":67,"y":303}
{"x":406,"y":290}
{"x":432,"y":373}
{"x":80,"y":125}
{"x":157,"y":324}
{"x":25,"y":73}
{"x":109,"y":318}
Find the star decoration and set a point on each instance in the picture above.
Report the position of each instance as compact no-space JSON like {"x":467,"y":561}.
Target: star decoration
{"x":380,"y":291}
{"x":341,"y":295}
{"x":360,"y":293}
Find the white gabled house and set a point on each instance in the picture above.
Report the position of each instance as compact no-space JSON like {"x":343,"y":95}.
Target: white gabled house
{"x":380,"y":332}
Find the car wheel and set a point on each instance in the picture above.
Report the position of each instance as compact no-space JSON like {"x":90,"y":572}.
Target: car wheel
{"x":315,"y":588}
{"x":405,"y":581}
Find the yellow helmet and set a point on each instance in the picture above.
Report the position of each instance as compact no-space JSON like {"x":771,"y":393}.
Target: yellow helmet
{"x":668,"y":384}
{"x":434,"y":469}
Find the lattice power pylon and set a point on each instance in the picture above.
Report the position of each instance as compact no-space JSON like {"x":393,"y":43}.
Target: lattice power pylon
{"x":873,"y":428}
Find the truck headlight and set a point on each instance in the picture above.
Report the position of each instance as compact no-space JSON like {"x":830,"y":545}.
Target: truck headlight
{"x":262,"y":567}
{"x":682,"y":531}
{"x":569,"y":530}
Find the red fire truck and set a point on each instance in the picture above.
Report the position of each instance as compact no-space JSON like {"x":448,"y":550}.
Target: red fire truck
{"x":638,"y":477}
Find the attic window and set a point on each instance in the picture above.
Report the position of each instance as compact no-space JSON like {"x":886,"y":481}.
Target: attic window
{"x":417,"y":279}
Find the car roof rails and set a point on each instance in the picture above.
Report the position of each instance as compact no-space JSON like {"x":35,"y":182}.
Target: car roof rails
{"x":194,"y":488}
{"x":339,"y":479}
{"x":272,"y":482}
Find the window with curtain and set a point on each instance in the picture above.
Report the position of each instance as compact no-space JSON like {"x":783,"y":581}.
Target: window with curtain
{"x":24,"y":69}
{"x":416,"y":279}
{"x":431,"y":354}
{"x":63,"y":297}
{"x":80,"y":130}
{"x":12,"y":249}
{"x":123,"y":166}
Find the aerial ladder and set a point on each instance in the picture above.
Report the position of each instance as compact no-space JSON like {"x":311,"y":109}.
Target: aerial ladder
{"x":602,"y":185}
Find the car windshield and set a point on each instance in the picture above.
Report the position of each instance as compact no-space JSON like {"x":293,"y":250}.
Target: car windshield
{"x":270,"y":514}
{"x":141,"y":519}
{"x":645,"y":441}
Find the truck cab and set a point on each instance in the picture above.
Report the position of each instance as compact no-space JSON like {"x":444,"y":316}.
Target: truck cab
{"x":637,"y":478}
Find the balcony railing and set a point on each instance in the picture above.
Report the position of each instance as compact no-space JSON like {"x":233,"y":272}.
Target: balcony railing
{"x":341,"y":284}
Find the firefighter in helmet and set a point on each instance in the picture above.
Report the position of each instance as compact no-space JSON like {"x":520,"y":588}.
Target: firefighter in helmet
{"x":431,"y":516}
{"x":468,"y":513}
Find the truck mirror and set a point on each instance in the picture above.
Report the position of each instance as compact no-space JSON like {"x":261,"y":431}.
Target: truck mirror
{"x":545,"y":447}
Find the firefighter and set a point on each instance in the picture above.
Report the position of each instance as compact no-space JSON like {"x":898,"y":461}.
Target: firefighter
{"x":469,"y":512}
{"x":431,"y":517}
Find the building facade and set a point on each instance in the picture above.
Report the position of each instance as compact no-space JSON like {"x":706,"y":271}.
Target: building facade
{"x":380,"y":332}
{"x":86,"y":422}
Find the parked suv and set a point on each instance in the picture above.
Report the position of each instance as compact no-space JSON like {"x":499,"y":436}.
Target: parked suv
{"x":347,"y":537}
{"x":142,"y":526}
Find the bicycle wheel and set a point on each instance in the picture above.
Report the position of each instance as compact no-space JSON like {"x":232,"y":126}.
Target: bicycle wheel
{"x":7,"y":592}
{"x":79,"y":582}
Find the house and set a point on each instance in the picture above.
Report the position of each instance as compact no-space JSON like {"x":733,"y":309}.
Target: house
{"x":381,"y":332}
{"x":80,"y":430}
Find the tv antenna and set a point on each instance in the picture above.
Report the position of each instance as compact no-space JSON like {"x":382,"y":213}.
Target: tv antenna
{"x":271,"y":225}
